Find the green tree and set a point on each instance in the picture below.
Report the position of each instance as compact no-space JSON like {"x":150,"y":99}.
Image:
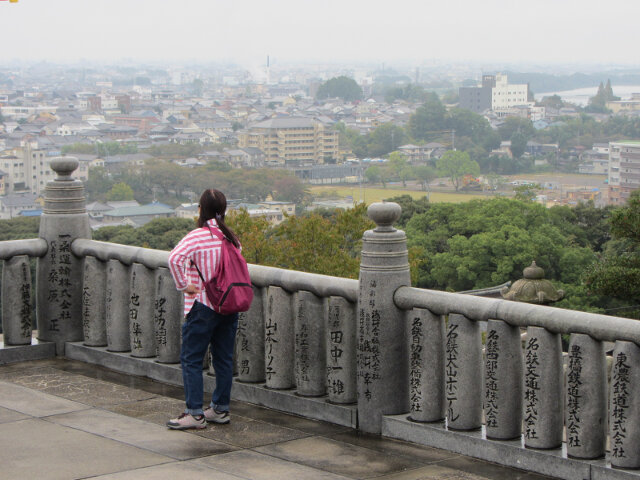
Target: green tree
{"x":255,"y":235}
{"x":617,"y":274}
{"x":384,"y":139}
{"x":372,"y":174}
{"x":19,"y":228}
{"x":410,"y":93}
{"x":425,"y":175}
{"x":120,"y":191}
{"x":80,"y":148}
{"x":512,"y":125}
{"x":484,"y":243}
{"x":290,"y":189}
{"x":341,"y":87}
{"x":397,"y":162}
{"x":598,"y":103}
{"x":518,"y":144}
{"x":428,"y":118}
{"x":526,"y":193}
{"x":410,"y":207}
{"x":553,"y":101}
{"x":455,"y":165}
{"x":98,"y":184}
{"x":352,"y":139}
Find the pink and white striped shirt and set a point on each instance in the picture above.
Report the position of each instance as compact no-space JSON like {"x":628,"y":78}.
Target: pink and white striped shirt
{"x":200,"y":247}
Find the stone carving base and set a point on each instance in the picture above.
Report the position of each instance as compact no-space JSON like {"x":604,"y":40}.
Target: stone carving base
{"x":510,"y":453}
{"x":38,"y":350}
{"x":287,"y":401}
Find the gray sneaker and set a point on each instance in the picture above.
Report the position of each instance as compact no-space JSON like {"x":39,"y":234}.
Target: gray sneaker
{"x":186,"y":422}
{"x":213,"y":416}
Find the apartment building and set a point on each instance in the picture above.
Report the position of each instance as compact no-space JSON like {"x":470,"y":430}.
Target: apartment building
{"x":477,"y":99}
{"x":28,"y":168}
{"x":292,"y":138}
{"x":596,"y":160}
{"x":624,"y":170}
{"x":495,"y":93}
{"x":505,"y":95}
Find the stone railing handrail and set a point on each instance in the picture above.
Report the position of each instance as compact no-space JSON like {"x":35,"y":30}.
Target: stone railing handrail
{"x":290,"y":280}
{"x":34,"y":247}
{"x":556,"y":320}
{"x":126,"y":254}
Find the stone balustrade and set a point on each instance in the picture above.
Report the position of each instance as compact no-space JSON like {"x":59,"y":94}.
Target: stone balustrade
{"x":441,"y":369}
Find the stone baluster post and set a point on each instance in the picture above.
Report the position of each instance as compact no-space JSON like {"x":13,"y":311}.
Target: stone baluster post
{"x":59,"y":291}
{"x":624,"y":408}
{"x":16,"y":301}
{"x":503,"y":381}
{"x":141,"y":310}
{"x":543,"y":382}
{"x":586,"y":400}
{"x":167,"y":317}
{"x":279,"y":340}
{"x":463,"y":367}
{"x":117,"y":307}
{"x":427,"y":342}
{"x":250,"y":340}
{"x":94,"y":287}
{"x":382,"y":358}
{"x":341,"y":351}
{"x":310,"y":348}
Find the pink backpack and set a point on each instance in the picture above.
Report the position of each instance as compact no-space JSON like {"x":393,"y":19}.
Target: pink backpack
{"x":229,"y":291}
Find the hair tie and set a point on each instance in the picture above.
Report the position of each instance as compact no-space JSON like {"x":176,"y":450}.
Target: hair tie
{"x":218,"y":217}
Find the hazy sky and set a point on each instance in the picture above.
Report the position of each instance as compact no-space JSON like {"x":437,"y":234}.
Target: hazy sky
{"x":245,"y":31}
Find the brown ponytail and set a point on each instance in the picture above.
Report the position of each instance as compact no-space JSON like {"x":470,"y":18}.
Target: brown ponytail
{"x":213,"y":204}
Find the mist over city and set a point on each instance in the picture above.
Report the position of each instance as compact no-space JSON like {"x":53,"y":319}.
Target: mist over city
{"x":297,"y":110}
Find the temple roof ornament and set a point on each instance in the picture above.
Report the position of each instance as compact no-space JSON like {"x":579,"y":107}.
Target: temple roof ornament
{"x":533,"y":288}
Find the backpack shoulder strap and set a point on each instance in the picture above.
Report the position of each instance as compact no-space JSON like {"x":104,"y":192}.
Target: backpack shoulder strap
{"x":215,"y":233}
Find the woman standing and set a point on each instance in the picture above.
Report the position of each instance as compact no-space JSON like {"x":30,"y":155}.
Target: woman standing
{"x":203,"y":326}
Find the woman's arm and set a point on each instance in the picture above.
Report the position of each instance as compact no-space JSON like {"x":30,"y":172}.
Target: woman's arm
{"x":179,"y":258}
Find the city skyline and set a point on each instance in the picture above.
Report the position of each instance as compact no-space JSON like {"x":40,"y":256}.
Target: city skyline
{"x":545,"y":33}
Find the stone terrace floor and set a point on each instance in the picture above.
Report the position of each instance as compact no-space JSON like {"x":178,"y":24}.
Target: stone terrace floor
{"x":61,"y":419}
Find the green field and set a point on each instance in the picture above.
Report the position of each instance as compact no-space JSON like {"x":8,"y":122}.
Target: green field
{"x":372,"y":195}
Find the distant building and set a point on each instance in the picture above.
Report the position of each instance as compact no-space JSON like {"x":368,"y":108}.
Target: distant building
{"x":139,"y":215}
{"x":477,"y":99}
{"x":187,"y":210}
{"x":596,"y":160}
{"x":292,"y":138}
{"x":625,"y":106}
{"x":624,"y":170}
{"x":28,"y":168}
{"x":284,"y":207}
{"x":505,"y":95}
{"x":495,"y":94}
{"x":273,"y":215}
{"x":329,"y":174}
{"x":12,"y":206}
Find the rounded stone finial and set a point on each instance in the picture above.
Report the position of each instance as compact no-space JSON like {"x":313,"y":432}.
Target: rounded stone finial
{"x":64,"y":166}
{"x":533,"y":288}
{"x":385,"y":214}
{"x":533,"y":272}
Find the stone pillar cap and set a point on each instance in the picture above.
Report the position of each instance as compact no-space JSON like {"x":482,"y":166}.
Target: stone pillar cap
{"x":384,"y":214}
{"x":64,"y":167}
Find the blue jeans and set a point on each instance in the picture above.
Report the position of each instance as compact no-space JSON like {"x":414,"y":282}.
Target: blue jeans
{"x":202,"y":327}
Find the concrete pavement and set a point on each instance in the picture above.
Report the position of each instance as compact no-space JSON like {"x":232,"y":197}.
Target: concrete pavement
{"x":62,"y":419}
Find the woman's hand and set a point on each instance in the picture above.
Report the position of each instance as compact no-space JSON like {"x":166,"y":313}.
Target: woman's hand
{"x":191,"y":290}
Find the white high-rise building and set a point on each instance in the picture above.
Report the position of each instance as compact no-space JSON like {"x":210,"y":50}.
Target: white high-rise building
{"x":505,"y":95}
